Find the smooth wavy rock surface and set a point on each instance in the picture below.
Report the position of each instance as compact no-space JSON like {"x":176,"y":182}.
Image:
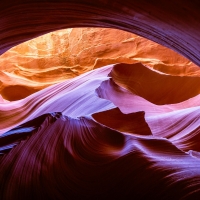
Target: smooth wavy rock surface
{"x":75,"y":97}
{"x":79,"y":158}
{"x":100,"y":136}
{"x":63,"y":54}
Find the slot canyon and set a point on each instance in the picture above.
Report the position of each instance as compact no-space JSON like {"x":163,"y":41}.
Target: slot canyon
{"x":99,"y":99}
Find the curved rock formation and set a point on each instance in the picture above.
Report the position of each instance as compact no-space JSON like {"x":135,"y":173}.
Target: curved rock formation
{"x":156,"y":88}
{"x":172,"y":24}
{"x":99,"y":163}
{"x":91,"y":138}
{"x":61,"y":55}
{"x":103,"y":135}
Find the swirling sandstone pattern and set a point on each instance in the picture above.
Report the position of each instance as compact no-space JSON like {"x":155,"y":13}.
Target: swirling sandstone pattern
{"x":101,"y":139}
{"x":63,"y":142}
{"x":61,"y":55}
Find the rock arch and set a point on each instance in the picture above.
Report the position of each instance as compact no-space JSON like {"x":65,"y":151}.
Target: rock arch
{"x":173,"y":24}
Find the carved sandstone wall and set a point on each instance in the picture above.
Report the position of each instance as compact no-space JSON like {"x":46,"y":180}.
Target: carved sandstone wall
{"x":64,"y":54}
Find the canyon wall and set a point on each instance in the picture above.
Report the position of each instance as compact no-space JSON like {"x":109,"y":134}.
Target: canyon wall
{"x":172,"y":24}
{"x":64,"y":54}
{"x":121,"y":131}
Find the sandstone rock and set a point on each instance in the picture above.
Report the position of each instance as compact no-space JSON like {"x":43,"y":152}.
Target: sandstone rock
{"x":64,"y":54}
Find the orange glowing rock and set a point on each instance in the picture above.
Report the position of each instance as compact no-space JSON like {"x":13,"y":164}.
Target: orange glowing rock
{"x":64,"y":54}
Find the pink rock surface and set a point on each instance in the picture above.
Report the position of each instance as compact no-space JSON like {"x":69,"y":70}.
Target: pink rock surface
{"x":101,"y":140}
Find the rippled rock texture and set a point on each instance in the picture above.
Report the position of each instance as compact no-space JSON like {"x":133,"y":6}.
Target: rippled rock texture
{"x":121,"y":131}
{"x":64,"y":54}
{"x":103,"y":135}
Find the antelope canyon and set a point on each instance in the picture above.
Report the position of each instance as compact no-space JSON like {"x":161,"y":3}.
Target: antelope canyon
{"x":99,"y":100}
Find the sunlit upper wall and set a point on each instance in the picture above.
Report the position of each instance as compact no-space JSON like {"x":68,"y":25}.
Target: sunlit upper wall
{"x":175,"y":24}
{"x":64,"y":54}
